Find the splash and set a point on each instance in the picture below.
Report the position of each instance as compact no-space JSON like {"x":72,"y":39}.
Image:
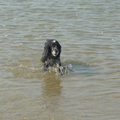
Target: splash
{"x":67,"y":69}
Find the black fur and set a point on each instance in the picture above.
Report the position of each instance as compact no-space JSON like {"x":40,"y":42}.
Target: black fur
{"x":51,"y":54}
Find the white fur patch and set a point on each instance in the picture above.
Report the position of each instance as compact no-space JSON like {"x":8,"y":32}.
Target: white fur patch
{"x":53,"y":53}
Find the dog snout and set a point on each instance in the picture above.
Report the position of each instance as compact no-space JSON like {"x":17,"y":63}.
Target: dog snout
{"x":56,"y":50}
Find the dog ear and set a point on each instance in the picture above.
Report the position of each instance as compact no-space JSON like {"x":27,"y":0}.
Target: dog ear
{"x":60,"y":47}
{"x":46,"y":53}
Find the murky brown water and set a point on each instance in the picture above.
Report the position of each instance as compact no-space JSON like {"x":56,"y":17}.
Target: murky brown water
{"x":89,"y":32}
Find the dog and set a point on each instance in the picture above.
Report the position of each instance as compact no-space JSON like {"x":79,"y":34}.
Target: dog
{"x":51,"y":54}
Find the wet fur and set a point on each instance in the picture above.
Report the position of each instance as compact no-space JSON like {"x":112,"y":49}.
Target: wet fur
{"x":48,"y":57}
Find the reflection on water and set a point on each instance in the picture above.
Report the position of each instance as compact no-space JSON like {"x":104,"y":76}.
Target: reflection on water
{"x":52,"y":85}
{"x":52,"y":90}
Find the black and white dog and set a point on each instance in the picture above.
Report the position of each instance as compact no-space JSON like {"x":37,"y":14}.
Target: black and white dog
{"x":51,"y":54}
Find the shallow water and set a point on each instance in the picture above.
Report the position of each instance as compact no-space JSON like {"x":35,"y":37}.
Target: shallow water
{"x":89,"y":33}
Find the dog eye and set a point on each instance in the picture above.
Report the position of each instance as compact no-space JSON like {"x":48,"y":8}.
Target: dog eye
{"x":53,"y":44}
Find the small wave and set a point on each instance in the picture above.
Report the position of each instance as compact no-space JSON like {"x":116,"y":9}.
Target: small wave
{"x":28,"y":69}
{"x":78,"y":67}
{"x":74,"y":69}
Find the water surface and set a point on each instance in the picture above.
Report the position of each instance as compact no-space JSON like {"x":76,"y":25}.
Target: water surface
{"x":89,"y":33}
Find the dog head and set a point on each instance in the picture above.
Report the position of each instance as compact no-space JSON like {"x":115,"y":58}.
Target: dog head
{"x":55,"y":48}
